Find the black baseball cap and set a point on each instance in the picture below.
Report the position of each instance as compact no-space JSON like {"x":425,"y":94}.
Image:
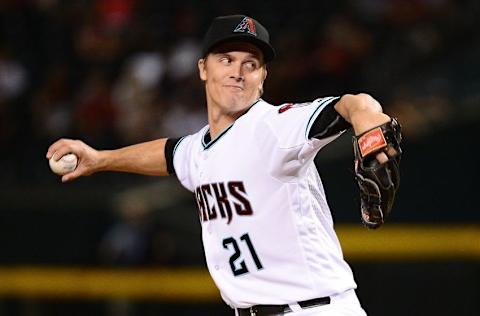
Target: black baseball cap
{"x":238,"y":28}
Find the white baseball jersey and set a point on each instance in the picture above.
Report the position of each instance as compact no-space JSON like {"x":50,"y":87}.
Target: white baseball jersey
{"x":266,"y":227}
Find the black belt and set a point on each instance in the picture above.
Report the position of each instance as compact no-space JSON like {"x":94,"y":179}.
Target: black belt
{"x":270,"y":310}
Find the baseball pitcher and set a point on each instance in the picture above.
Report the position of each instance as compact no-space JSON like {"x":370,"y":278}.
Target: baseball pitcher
{"x":267,"y":230}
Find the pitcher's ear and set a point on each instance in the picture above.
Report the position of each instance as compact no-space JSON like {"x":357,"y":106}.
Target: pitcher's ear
{"x":202,"y":68}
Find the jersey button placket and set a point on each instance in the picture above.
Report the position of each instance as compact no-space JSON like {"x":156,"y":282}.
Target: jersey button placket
{"x":201,"y":172}
{"x":201,"y":166}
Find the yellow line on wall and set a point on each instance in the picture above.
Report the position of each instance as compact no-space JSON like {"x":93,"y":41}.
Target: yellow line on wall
{"x":406,"y":242}
{"x":410,"y":242}
{"x":193,"y":285}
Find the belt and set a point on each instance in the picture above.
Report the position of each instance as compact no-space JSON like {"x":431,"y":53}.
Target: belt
{"x":270,"y":310}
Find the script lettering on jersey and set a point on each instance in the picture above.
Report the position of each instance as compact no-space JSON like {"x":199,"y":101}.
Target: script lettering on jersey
{"x":222,"y":200}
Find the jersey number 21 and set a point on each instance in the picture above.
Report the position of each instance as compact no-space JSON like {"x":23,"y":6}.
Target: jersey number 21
{"x":239,"y":268}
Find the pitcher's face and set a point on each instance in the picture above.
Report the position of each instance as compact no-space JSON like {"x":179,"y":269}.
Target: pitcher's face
{"x":233,"y":74}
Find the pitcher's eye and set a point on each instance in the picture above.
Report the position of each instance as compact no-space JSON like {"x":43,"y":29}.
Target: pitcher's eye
{"x":225,"y":60}
{"x":251,"y":65}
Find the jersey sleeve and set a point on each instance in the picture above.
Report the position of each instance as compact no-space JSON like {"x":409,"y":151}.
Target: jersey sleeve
{"x":286,"y":138}
{"x":181,"y":160}
{"x":170,"y":146}
{"x":328,"y":123}
{"x":292,"y":123}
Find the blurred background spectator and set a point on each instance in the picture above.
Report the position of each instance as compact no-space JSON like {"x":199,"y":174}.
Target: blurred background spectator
{"x":118,"y":72}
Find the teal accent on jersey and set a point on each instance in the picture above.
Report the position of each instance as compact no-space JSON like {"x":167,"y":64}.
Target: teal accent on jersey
{"x":312,"y":118}
{"x":176,"y":145}
{"x":213,"y":141}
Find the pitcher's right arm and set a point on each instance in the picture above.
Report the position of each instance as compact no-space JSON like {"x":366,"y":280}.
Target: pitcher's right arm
{"x":146,"y":158}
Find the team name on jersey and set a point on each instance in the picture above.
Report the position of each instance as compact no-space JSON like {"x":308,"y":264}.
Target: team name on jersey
{"x":222,"y":200}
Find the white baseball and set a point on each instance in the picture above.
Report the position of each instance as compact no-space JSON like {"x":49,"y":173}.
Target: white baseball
{"x":64,"y":165}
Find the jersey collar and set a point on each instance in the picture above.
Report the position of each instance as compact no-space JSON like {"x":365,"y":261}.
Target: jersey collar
{"x":207,"y":140}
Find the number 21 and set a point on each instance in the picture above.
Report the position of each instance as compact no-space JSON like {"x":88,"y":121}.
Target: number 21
{"x":242,"y":268}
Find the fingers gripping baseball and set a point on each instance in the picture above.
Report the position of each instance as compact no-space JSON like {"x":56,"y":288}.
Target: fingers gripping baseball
{"x":88,"y":160}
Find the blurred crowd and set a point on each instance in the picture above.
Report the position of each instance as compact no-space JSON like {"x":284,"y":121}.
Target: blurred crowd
{"x":116,"y":72}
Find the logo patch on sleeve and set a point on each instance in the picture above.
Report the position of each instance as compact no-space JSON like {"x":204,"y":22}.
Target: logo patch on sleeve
{"x":371,"y":141}
{"x":285,"y":107}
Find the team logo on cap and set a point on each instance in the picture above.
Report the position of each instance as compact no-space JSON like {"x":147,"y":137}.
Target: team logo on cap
{"x":247,"y":25}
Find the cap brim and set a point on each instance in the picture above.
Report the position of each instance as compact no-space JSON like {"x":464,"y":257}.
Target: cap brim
{"x":267,"y":49}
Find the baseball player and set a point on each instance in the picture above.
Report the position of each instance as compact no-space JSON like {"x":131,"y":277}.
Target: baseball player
{"x":267,"y":230}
